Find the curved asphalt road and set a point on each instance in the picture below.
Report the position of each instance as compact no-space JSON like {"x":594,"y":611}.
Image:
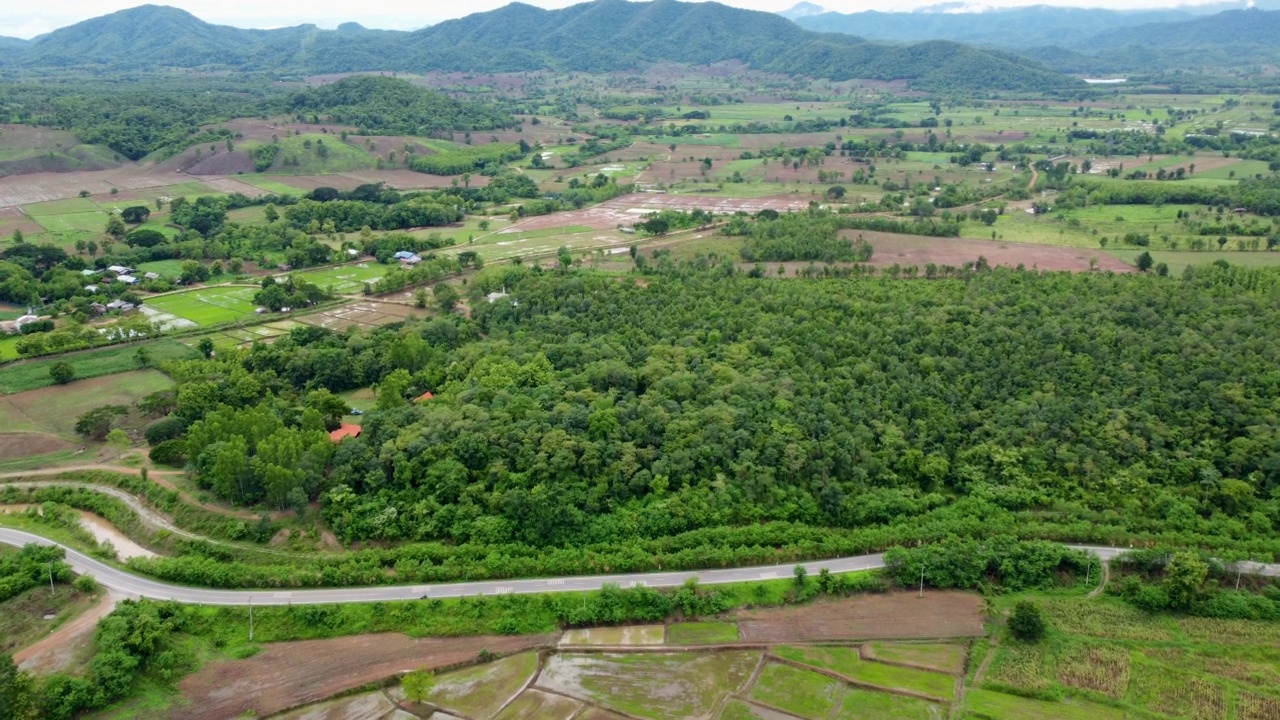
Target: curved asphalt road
{"x":135,"y":586}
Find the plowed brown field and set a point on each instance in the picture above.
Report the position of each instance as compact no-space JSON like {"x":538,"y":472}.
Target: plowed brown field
{"x":286,"y":675}
{"x":868,"y":617}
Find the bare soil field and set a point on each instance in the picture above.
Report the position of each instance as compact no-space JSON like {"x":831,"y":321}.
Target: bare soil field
{"x":57,"y":651}
{"x":630,"y":209}
{"x":286,"y":675}
{"x":884,"y":616}
{"x":919,"y":251}
{"x":24,"y":444}
{"x":12,"y":218}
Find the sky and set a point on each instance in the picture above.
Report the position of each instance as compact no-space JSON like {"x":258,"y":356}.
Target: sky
{"x":25,"y":20}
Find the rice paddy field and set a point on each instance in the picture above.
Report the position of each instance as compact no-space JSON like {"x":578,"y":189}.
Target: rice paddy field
{"x":203,"y":307}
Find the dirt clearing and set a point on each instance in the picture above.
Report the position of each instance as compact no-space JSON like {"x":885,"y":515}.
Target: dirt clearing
{"x":23,"y":444}
{"x":906,"y":250}
{"x":58,"y":651}
{"x":886,"y":616}
{"x":286,"y":675}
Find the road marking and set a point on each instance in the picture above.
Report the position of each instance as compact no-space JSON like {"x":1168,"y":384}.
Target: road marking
{"x":282,"y":595}
{"x":638,"y":583}
{"x":503,"y":590}
{"x":555,"y":582}
{"x":768,"y":575}
{"x":420,"y":590}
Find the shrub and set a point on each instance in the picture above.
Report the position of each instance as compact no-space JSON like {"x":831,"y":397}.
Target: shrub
{"x":169,"y":452}
{"x":62,"y":373}
{"x":168,"y":428}
{"x":85,"y":584}
{"x":1027,"y":622}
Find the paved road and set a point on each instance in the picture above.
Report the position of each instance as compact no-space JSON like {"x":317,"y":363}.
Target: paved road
{"x":135,"y":586}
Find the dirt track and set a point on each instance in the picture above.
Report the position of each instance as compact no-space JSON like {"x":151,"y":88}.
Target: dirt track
{"x":286,"y":675}
{"x":887,"y":616}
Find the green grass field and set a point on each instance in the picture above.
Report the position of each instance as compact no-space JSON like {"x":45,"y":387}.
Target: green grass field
{"x":272,"y":184}
{"x":208,"y":306}
{"x":845,"y":660}
{"x":701,"y":633}
{"x":296,"y":158}
{"x":1179,"y":261}
{"x":61,"y":207}
{"x":84,"y":222}
{"x":33,"y":374}
{"x":344,"y":278}
{"x":54,"y":409}
{"x":800,"y":692}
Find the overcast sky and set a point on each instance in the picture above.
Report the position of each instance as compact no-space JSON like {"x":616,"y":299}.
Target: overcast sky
{"x":28,"y":19}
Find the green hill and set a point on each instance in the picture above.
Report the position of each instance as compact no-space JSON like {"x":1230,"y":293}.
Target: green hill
{"x":604,"y":35}
{"x":394,"y":107}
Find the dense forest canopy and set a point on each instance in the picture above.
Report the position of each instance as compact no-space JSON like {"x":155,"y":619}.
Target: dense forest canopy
{"x":390,"y":106}
{"x":599,"y":409}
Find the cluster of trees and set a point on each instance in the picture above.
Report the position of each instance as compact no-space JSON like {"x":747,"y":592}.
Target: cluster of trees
{"x":139,"y":637}
{"x":595,"y":411}
{"x":472,"y":158}
{"x":31,"y":566}
{"x":1195,"y":583}
{"x":378,"y":105}
{"x":1001,"y":561}
{"x":812,"y":236}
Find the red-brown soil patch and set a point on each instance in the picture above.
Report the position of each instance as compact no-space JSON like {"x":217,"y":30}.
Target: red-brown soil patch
{"x":866,"y":617}
{"x":286,"y":675}
{"x":906,"y":250}
{"x":16,"y":445}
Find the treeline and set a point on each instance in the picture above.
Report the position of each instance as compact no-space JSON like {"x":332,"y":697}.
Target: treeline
{"x":470,"y":158}
{"x":1195,"y":583}
{"x":798,"y":236}
{"x":1257,"y":196}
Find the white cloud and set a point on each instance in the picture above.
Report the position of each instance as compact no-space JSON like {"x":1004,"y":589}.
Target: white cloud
{"x":403,"y":15}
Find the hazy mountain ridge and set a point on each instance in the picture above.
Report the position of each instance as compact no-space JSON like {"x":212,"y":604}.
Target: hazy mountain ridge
{"x":604,"y":35}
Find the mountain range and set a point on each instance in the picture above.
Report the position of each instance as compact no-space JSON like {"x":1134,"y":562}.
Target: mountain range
{"x":1081,"y":40}
{"x":604,"y":35}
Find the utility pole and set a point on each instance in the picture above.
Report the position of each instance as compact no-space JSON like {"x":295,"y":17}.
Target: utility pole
{"x":922,"y":567}
{"x":51,"y":578}
{"x":250,"y":618}
{"x":1088,"y":568}
{"x":1239,"y":571}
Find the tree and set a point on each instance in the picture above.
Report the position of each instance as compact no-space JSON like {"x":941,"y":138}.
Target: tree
{"x":18,"y":237}
{"x":446,"y":296}
{"x":1145,"y":261}
{"x":17,"y":691}
{"x":270,"y":213}
{"x":835,"y":192}
{"x":135,"y":214}
{"x":420,"y":298}
{"x":98,"y":422}
{"x":418,"y":684}
{"x":392,"y":390}
{"x":1027,"y":622}
{"x":115,"y":226}
{"x":1183,"y":577}
{"x":62,"y":373}
{"x":800,"y":575}
{"x":205,"y":346}
{"x":143,"y":357}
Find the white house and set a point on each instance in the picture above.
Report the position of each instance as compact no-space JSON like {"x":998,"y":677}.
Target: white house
{"x":127,"y":279}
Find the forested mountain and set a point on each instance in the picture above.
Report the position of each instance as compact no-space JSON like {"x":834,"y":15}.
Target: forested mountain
{"x":1233,"y":31}
{"x":12,"y":43}
{"x":1013,"y":28}
{"x":802,"y":9}
{"x":596,"y":36}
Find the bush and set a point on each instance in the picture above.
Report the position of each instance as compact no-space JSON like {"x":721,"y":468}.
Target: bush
{"x":85,"y":584}
{"x":1027,"y":622}
{"x":169,"y":428}
{"x":62,"y":373}
{"x":1151,"y":598}
{"x":169,"y":452}
{"x":99,"y":421}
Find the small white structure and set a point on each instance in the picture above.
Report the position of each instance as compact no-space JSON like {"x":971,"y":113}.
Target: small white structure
{"x":152,"y":276}
{"x":91,"y":288}
{"x":127,"y":279}
{"x":495,"y":296}
{"x":90,"y":273}
{"x":120,"y":269}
